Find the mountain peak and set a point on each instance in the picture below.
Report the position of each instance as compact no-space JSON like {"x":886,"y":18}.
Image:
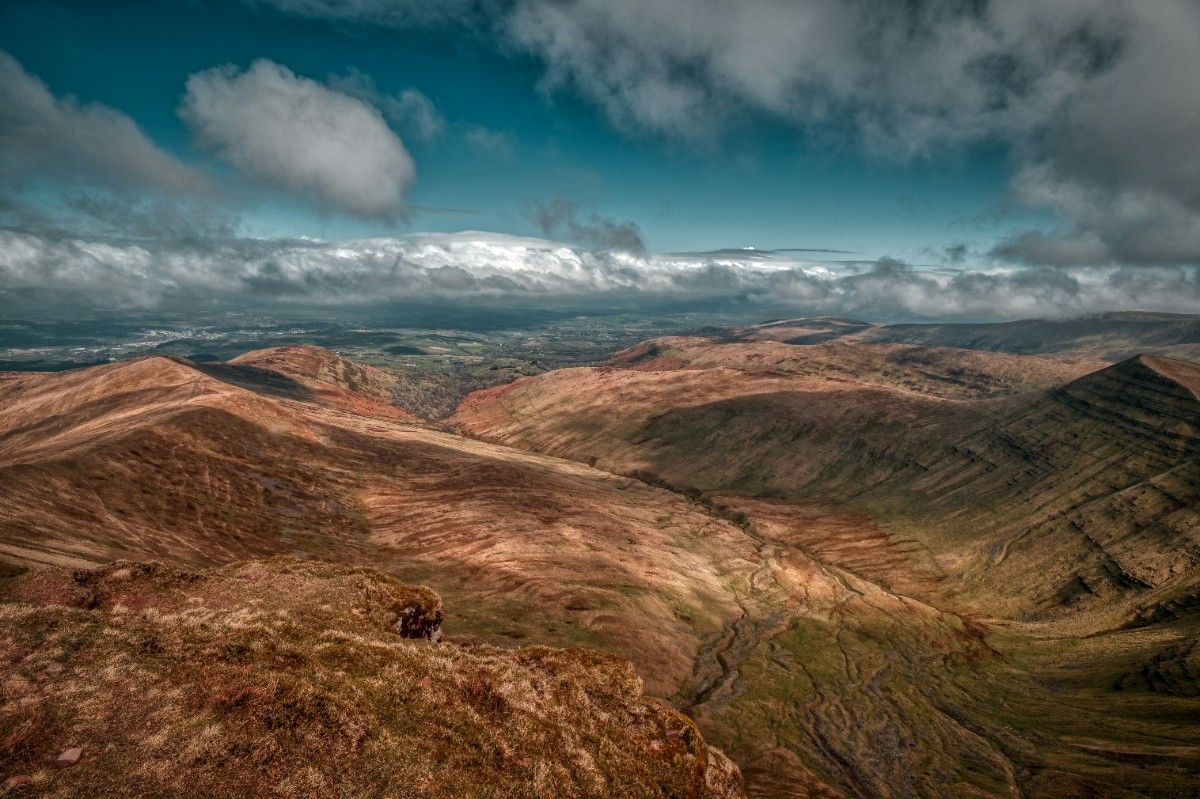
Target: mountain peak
{"x":306,"y":360}
{"x":332,"y":379}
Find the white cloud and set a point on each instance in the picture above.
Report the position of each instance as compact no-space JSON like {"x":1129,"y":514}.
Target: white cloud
{"x":410,"y":110}
{"x":1099,"y":95}
{"x":907,"y":76}
{"x":495,"y":142}
{"x":1103,"y":225}
{"x":472,"y":267}
{"x":396,"y":13}
{"x":411,"y":107}
{"x":296,"y":134}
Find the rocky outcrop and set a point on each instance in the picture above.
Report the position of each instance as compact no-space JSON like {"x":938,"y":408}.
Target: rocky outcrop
{"x":421,"y":617}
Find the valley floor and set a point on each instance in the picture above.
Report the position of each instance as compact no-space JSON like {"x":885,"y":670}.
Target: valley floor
{"x":853,"y":668}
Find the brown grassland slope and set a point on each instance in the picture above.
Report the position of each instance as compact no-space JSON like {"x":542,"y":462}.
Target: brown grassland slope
{"x":992,"y":558}
{"x":291,"y":678}
{"x":158,"y":459}
{"x":331,"y":379}
{"x":777,"y":397}
{"x":864,"y":570}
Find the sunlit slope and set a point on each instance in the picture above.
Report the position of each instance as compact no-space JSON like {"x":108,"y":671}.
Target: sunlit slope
{"x":155,"y":458}
{"x":333,"y":380}
{"x":1039,"y":499}
{"x":760,"y":416}
{"x":158,"y":459}
{"x":1083,"y":496}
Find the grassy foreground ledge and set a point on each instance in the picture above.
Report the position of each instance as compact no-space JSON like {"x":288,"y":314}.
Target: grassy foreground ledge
{"x":288,"y":677}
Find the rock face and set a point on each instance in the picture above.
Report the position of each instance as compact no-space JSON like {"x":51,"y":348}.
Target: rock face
{"x":69,"y":757}
{"x":421,"y":619}
{"x":286,"y":678}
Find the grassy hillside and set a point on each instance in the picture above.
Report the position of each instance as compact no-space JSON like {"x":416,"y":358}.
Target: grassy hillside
{"x":863,"y":570}
{"x":157,"y":459}
{"x":999,"y":570}
{"x":287,"y":678}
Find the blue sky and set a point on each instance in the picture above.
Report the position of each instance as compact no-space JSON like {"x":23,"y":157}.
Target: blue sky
{"x":760,"y":185}
{"x":950,"y":160}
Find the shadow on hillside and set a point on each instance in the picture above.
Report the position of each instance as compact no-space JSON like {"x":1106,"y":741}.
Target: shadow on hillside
{"x":256,"y":379}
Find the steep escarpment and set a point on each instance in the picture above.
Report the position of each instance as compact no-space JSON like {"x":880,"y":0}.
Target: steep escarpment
{"x":1087,"y":495}
{"x":291,"y":678}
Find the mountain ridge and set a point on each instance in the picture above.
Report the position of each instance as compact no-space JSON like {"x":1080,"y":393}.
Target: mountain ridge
{"x":783,"y":539}
{"x":1112,"y":336}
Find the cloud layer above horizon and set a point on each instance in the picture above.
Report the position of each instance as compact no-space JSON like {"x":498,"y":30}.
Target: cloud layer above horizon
{"x":472,"y":267}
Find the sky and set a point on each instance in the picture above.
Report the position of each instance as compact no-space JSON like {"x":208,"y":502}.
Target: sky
{"x":957,"y":159}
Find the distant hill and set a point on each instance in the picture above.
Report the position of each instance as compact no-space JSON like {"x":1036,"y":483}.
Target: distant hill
{"x":1111,"y":336}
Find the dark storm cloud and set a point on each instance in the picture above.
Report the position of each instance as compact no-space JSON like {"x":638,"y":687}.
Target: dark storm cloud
{"x":561,"y":218}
